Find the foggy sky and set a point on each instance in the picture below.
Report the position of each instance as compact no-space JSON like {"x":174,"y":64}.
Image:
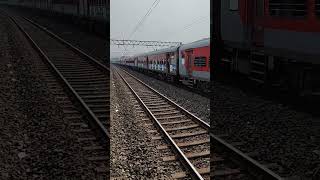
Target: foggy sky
{"x":172,"y":20}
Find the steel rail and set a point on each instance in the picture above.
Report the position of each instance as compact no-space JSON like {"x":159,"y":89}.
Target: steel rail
{"x":96,"y":123}
{"x":252,"y":166}
{"x":188,"y":113}
{"x":246,"y":162}
{"x":75,"y":49}
{"x":184,"y":160}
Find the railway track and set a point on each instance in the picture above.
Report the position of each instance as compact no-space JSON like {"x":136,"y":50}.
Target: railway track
{"x":81,"y":86}
{"x":188,"y":137}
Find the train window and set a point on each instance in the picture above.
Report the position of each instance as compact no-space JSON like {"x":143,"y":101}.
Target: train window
{"x":200,"y":61}
{"x":233,"y":5}
{"x":288,"y":8}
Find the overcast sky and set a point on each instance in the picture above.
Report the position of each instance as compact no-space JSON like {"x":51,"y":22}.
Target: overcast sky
{"x":171,"y":20}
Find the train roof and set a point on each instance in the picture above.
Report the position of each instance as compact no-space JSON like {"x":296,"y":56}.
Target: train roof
{"x":170,"y":49}
{"x":195,"y":44}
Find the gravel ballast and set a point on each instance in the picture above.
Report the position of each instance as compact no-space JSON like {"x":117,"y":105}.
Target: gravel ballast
{"x":133,"y":153}
{"x":195,"y":103}
{"x":279,"y":134}
{"x":35,"y":140}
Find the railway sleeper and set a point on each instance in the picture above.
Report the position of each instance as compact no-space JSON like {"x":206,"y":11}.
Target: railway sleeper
{"x":64,"y":66}
{"x":78,"y":71}
{"x":184,"y":135}
{"x":93,"y":89}
{"x":160,"y":106}
{"x":166,"y":113}
{"x":163,"y":109}
{"x":176,"y":122}
{"x":104,"y":96}
{"x":91,"y":74}
{"x":155,"y":105}
{"x":81,"y":73}
{"x":181,"y":175}
{"x":104,"y":116}
{"x":186,"y":144}
{"x":65,"y":70}
{"x":147,"y":101}
{"x":101,"y":111}
{"x":82,"y":79}
{"x":171,"y":117}
{"x":188,"y":155}
{"x":86,"y":83}
{"x":84,"y":86}
{"x":150,"y":96}
{"x":92,"y":93}
{"x":98,"y":106}
{"x":140,"y":111}
{"x":182,"y":128}
{"x":152,"y":100}
{"x":154,"y":96}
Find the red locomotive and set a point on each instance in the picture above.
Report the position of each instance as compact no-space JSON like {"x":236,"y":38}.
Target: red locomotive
{"x":273,"y":42}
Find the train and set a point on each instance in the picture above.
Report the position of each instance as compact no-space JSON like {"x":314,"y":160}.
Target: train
{"x":93,"y":14}
{"x":187,"y":63}
{"x":275,"y":43}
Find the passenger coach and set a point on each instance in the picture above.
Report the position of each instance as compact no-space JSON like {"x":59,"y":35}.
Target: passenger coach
{"x":188,"y":63}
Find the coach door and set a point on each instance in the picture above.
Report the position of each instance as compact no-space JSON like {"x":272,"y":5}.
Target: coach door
{"x":136,"y":62}
{"x":189,"y":62}
{"x":147,"y":59}
{"x":167,"y":63}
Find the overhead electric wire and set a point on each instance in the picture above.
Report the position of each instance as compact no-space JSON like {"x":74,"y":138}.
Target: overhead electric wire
{"x":189,"y":26}
{"x":196,"y":21}
{"x":154,"y":5}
